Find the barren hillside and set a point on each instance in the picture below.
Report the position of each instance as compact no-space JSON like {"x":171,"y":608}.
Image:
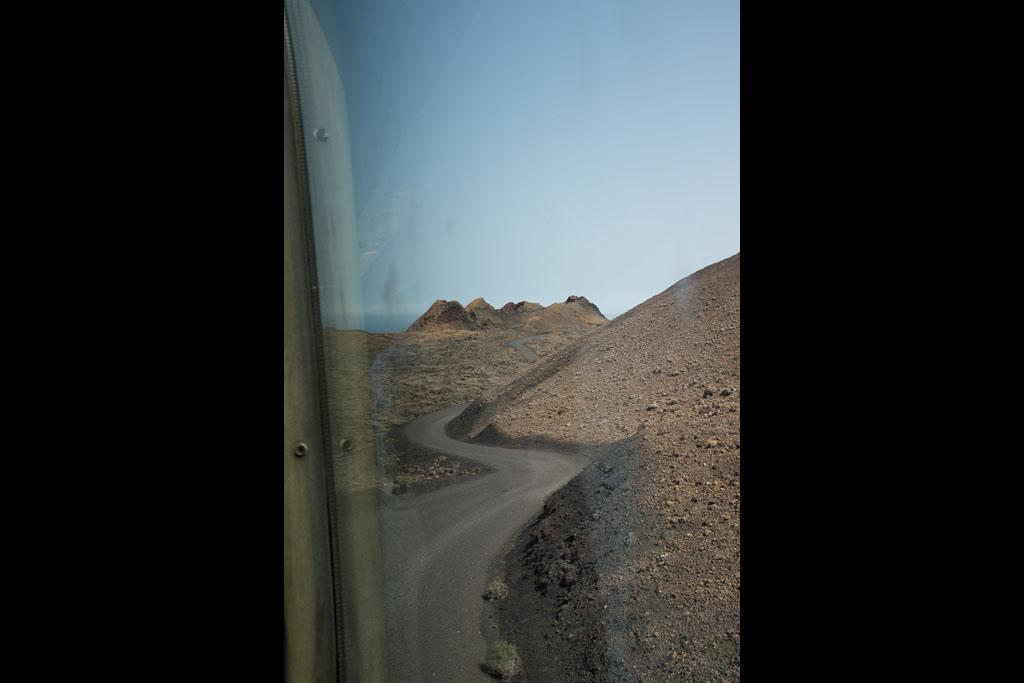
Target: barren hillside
{"x":377,"y":382}
{"x":632,"y":571}
{"x":524,"y":317}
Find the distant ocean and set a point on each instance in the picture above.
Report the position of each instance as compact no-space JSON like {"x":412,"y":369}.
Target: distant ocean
{"x":397,"y":322}
{"x":388,"y":322}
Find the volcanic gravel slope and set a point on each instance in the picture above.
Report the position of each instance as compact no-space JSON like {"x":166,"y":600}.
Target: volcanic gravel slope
{"x":632,"y":570}
{"x":378,"y":382}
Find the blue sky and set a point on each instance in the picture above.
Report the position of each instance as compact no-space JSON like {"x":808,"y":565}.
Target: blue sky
{"x":533,"y":150}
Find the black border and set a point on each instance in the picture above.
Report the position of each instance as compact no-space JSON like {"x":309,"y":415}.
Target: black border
{"x":199,"y":300}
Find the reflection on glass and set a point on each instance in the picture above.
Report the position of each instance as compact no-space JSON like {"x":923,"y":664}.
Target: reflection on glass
{"x":526,"y":226}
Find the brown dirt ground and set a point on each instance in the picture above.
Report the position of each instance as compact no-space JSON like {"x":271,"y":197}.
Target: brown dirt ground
{"x":378,"y":382}
{"x":632,"y":571}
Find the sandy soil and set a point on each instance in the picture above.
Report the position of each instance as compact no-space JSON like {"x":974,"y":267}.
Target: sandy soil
{"x":632,"y":572}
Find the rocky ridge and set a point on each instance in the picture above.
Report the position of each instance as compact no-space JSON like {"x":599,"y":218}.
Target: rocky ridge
{"x":575,"y":312}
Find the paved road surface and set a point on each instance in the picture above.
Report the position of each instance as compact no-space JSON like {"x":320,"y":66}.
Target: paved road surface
{"x":439,"y":545}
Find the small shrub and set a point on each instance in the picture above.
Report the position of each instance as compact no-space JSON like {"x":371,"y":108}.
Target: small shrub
{"x":496,"y":590}
{"x":502,"y":660}
{"x":402,"y":484}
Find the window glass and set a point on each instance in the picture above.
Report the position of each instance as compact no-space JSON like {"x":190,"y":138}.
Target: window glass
{"x":525,"y":220}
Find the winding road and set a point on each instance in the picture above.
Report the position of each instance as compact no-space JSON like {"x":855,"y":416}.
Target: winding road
{"x":520,"y":346}
{"x":438,"y":548}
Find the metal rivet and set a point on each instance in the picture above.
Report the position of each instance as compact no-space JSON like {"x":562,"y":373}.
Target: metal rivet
{"x":321,"y":135}
{"x":346,"y":445}
{"x":300,"y":450}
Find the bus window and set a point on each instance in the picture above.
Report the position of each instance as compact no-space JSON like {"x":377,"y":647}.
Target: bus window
{"x":512,"y":391}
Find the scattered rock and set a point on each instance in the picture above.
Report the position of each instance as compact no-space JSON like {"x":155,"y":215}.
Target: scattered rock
{"x":496,"y":590}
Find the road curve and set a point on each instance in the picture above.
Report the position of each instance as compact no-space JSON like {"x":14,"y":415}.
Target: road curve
{"x":438,"y":546}
{"x":520,"y":346}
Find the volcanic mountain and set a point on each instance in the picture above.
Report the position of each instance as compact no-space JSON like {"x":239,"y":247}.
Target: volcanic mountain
{"x":576,"y":312}
{"x":633,"y":567}
{"x":444,"y":315}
